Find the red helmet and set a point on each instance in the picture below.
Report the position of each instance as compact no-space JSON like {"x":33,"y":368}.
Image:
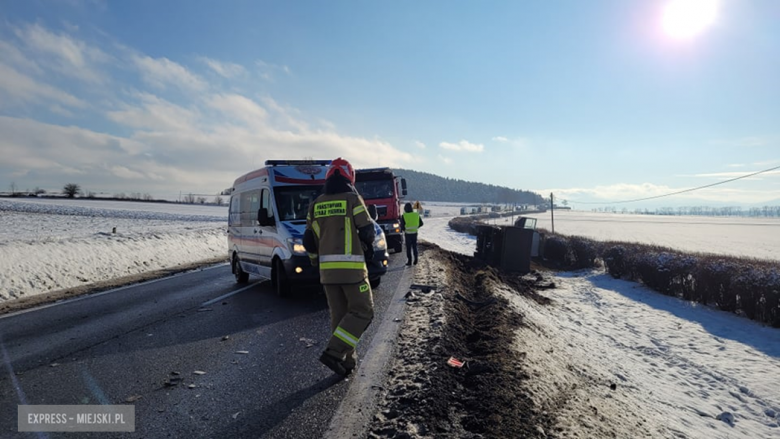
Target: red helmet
{"x":342,"y":167}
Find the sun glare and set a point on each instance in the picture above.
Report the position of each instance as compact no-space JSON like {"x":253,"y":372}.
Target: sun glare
{"x":685,"y":19}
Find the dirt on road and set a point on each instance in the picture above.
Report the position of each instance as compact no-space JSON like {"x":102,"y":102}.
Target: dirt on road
{"x":460,"y":316}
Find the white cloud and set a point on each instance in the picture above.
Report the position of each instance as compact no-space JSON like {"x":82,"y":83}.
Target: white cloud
{"x":624,"y":191}
{"x":162,"y":72}
{"x":268,"y":70}
{"x":500,"y":139}
{"x":463,"y":145}
{"x":419,"y":144}
{"x":154,"y":113}
{"x":22,"y":88}
{"x":239,"y":108}
{"x":445,"y":160}
{"x":225,"y":69}
{"x":66,"y":55}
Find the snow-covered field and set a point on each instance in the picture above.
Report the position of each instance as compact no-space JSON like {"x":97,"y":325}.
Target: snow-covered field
{"x":47,"y":245}
{"x":674,"y":363}
{"x":738,"y":236}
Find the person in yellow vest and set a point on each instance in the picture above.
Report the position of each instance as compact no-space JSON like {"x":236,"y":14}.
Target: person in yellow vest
{"x":410,"y":223}
{"x":339,"y":237}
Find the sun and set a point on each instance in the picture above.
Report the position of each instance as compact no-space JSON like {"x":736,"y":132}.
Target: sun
{"x":684,"y":19}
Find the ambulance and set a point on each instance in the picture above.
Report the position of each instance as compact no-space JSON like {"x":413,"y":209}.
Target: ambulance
{"x":266,"y":221}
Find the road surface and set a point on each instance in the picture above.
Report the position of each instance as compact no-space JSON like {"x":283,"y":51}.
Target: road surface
{"x":142,"y":345}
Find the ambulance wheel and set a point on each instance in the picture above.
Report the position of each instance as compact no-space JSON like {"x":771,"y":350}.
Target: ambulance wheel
{"x":242,"y":277}
{"x":374,"y":282}
{"x":281,"y":283}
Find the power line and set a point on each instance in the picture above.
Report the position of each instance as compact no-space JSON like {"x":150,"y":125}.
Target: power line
{"x":679,"y":192}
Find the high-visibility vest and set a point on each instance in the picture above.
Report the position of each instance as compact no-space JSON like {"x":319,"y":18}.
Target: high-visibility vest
{"x":335,"y":220}
{"x":411,"y":222}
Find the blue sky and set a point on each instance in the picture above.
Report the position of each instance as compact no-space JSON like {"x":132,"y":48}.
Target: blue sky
{"x":594,"y":100}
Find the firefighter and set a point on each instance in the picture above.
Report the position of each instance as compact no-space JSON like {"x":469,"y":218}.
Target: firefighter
{"x":339,"y":238}
{"x":410,"y":222}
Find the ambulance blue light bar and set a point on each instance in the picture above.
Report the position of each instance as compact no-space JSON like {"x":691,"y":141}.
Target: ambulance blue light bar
{"x":296,"y":162}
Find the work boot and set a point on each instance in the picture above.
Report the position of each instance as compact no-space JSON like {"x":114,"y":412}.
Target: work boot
{"x":415,"y":261}
{"x":334,"y":364}
{"x":349,"y":365}
{"x":408,"y":262}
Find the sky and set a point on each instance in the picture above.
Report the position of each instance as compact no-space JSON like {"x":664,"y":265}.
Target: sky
{"x":597,"y":102}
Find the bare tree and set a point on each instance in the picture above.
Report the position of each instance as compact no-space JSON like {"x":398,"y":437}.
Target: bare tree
{"x":218,"y":200}
{"x":201,"y":200}
{"x":189,"y":199}
{"x":71,"y":190}
{"x":13,"y":188}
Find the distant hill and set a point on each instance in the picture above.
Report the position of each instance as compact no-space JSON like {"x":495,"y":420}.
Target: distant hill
{"x":428,"y":187}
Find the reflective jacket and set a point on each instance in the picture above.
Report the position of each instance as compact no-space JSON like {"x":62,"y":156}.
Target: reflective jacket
{"x":335,"y":220}
{"x":410,"y":222}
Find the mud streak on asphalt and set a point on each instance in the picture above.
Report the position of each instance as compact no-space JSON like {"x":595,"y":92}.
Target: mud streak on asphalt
{"x":463,"y":318}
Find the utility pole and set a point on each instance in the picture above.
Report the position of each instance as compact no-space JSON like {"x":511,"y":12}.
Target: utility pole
{"x":552,"y":215}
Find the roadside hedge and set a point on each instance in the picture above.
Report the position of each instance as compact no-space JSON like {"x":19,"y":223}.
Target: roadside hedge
{"x":745,"y":286}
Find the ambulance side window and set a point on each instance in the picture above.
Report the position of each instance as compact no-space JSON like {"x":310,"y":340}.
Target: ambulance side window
{"x":250,"y":202}
{"x":235,"y":215}
{"x":265,"y":203}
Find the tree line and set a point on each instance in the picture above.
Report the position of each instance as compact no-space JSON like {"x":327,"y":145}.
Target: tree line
{"x":429,"y":187}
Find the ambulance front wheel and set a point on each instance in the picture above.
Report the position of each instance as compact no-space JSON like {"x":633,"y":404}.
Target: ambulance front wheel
{"x":280,"y":281}
{"x":242,"y":277}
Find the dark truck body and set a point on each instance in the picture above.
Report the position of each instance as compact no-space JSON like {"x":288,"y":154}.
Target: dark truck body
{"x":383,"y":189}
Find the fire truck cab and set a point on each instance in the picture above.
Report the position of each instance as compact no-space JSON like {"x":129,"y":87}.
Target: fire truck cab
{"x":380,"y":187}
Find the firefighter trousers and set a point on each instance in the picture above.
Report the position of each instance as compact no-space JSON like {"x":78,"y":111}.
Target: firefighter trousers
{"x":351,"y":311}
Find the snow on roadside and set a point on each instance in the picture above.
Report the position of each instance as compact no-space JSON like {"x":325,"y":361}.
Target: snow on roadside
{"x":673,"y":363}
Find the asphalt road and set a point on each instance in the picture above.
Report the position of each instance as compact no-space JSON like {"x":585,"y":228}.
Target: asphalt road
{"x":120,"y":347}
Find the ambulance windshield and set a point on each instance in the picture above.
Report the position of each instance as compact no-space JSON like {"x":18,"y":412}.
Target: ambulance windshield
{"x":292,"y":202}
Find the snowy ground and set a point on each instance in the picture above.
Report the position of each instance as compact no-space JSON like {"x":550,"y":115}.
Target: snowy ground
{"x":675,"y":363}
{"x":48,"y":245}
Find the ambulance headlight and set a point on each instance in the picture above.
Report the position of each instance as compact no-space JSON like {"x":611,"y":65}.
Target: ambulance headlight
{"x":296,"y":245}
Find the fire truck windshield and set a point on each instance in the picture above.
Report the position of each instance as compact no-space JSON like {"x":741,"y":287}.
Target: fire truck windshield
{"x":375,"y":189}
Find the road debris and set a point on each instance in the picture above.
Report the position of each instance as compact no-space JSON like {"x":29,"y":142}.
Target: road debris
{"x":173,"y":381}
{"x":133,"y":398}
{"x":454,"y":362}
{"x":191,"y":386}
{"x":204,"y":309}
{"x":309,"y":342}
{"x":199,"y":372}
{"x":235,"y":415}
{"x":423,"y":288}
{"x":242,"y":352}
{"x":225,"y":338}
{"x":54,"y":364}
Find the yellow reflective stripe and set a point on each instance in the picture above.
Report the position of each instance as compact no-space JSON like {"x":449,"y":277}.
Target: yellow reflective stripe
{"x":316,"y":227}
{"x":358,"y":210}
{"x":347,"y":236}
{"x":342,"y":265}
{"x":342,"y":258}
{"x":345,"y":336}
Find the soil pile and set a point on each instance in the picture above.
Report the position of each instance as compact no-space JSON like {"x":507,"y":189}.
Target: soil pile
{"x":459,"y":316}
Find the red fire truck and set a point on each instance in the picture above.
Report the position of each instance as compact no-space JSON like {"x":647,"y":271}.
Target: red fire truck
{"x":380,"y":187}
